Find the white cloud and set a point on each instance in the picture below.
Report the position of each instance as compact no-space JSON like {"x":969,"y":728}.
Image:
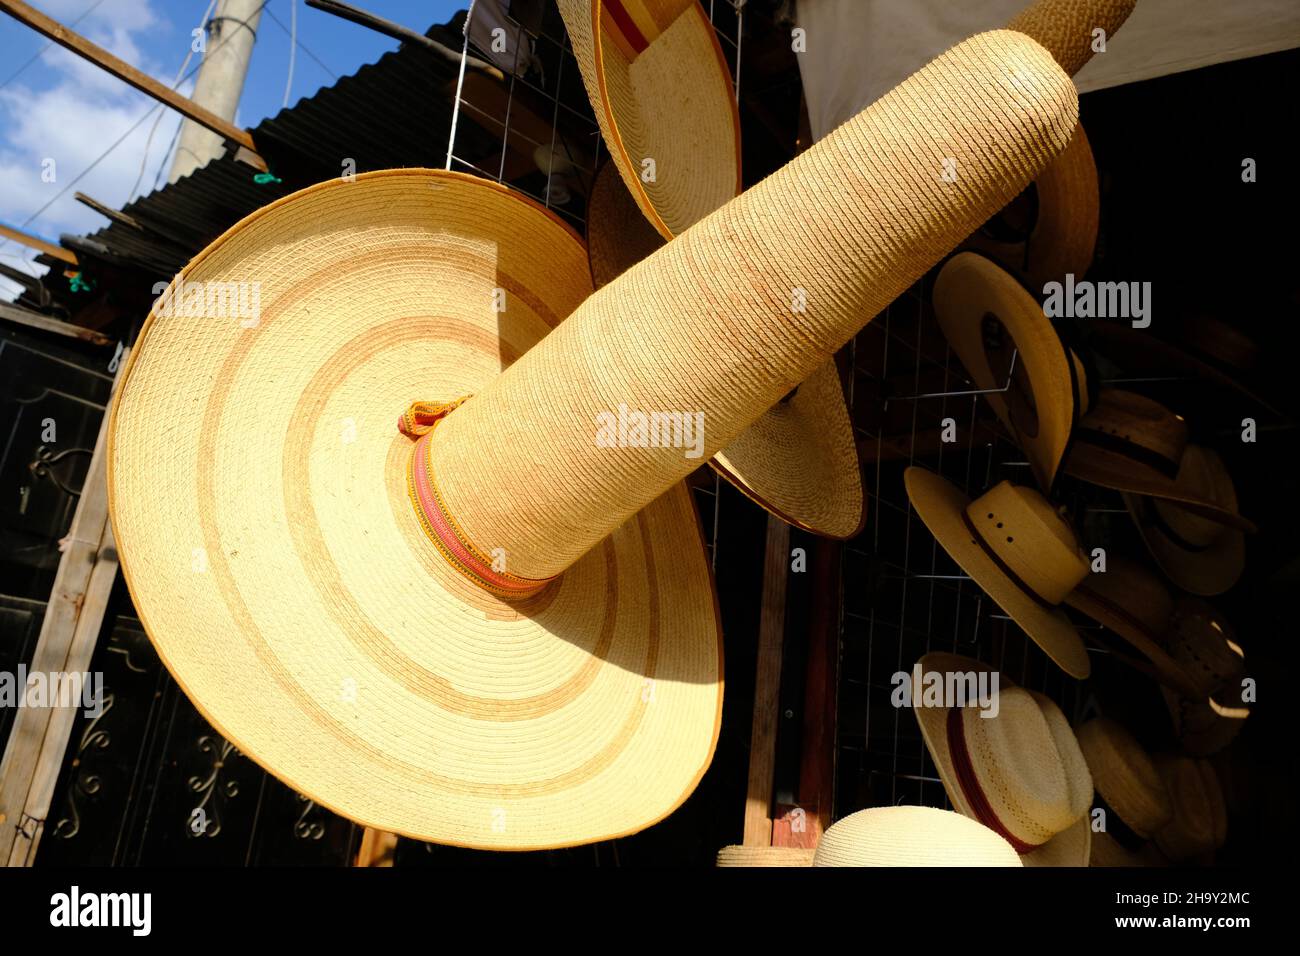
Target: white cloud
{"x":70,"y":112}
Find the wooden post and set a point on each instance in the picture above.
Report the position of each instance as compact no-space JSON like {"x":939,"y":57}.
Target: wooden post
{"x":146,"y":84}
{"x":377,"y":848}
{"x":69,"y":630}
{"x":767,"y":685}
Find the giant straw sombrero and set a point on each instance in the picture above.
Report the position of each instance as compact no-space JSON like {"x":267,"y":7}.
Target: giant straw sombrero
{"x":1014,"y":357}
{"x":799,"y":460}
{"x":1018,"y":772}
{"x":1051,"y":229}
{"x":375,"y":534}
{"x":1018,"y":549}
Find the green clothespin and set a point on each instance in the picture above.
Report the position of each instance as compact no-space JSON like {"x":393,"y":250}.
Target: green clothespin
{"x":81,"y":284}
{"x":263,"y":178}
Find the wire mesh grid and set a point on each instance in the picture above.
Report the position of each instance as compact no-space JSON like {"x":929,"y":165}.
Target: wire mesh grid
{"x":901,"y":595}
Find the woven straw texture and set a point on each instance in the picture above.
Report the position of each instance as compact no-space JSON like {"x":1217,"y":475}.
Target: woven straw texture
{"x":911,"y":836}
{"x":967,"y":292}
{"x":730,"y":856}
{"x":1027,"y":763}
{"x":1065,"y":27}
{"x":258,"y":493}
{"x":1125,"y":776}
{"x":705,"y":325}
{"x":672,"y":101}
{"x":799,"y":460}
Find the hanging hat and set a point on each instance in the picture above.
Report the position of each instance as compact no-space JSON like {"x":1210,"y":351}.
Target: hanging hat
{"x":1013,"y":355}
{"x":889,"y":836}
{"x":383,"y":534}
{"x":1199,"y":824}
{"x":1133,"y":602}
{"x":731,"y":856}
{"x":1017,"y":548}
{"x":1019,"y":772}
{"x":1200,"y":346}
{"x":1129,"y":790}
{"x":1203,"y":644}
{"x":1051,"y":229}
{"x":1130,"y":443}
{"x":799,"y":460}
{"x":662,"y":94}
{"x":1200,"y":555}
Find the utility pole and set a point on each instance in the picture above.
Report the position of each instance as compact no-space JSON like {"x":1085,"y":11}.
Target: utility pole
{"x":228,"y":47}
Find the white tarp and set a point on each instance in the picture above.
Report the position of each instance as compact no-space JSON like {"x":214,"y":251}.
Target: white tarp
{"x":858,"y":50}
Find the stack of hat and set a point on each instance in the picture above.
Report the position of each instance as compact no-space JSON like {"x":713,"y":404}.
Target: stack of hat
{"x":1131,"y":795}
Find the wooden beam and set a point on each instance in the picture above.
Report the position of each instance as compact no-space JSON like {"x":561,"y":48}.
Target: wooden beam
{"x":74,"y":615}
{"x":767,"y":685}
{"x":377,"y":848}
{"x":108,"y":212}
{"x":34,"y":242}
{"x":71,"y":40}
{"x":35,"y":320}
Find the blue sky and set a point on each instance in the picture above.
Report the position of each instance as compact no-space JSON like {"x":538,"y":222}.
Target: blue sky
{"x":62,"y":108}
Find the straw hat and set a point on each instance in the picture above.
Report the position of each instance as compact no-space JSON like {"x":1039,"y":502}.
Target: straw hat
{"x":661,"y":91}
{"x":889,"y":836}
{"x":912,"y":836}
{"x":1128,"y":788}
{"x":1204,"y":645}
{"x":1200,"y":555}
{"x":731,"y":856}
{"x":1129,"y":442}
{"x":1134,"y":603}
{"x":1004,"y":341}
{"x":1051,"y":230}
{"x":799,"y":460}
{"x":1015,"y":546}
{"x":1199,"y":824}
{"x":422,"y":590}
{"x":1019,"y":773}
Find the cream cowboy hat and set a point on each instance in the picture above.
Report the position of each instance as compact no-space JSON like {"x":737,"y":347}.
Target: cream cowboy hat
{"x":1201,"y":555}
{"x":1018,"y":549}
{"x":998,"y":331}
{"x":799,"y":460}
{"x":372,"y":530}
{"x":889,"y":836}
{"x":1019,"y":773}
{"x":1129,"y":790}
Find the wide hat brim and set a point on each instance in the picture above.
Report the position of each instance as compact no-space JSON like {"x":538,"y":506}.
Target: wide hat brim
{"x":799,"y":460}
{"x":1207,"y":572}
{"x":1070,"y":847}
{"x":941,"y":506}
{"x":1112,"y":469}
{"x":970,"y":288}
{"x":1064,"y":235}
{"x":661,"y":90}
{"x":257,"y":485}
